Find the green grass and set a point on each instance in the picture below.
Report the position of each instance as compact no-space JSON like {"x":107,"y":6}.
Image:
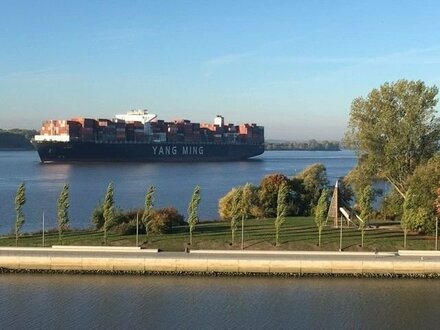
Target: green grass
{"x":297,"y":233}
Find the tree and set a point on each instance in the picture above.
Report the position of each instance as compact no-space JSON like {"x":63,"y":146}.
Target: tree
{"x":97,"y":217}
{"x":394,"y":130}
{"x":226,"y":203}
{"x":236,"y":194}
{"x":392,"y":206}
{"x":63,"y":215}
{"x":321,"y":211}
{"x":108,"y":210}
{"x":245,"y":208}
{"x":146,"y":216}
{"x":20,"y":200}
{"x":366,"y":209}
{"x":418,"y":212}
{"x":163,"y":220}
{"x":314,"y":180}
{"x":268,"y":193}
{"x":192,"y":212}
{"x":281,"y":211}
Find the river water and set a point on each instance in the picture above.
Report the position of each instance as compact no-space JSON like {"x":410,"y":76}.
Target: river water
{"x":159,"y":302}
{"x":174,"y":183}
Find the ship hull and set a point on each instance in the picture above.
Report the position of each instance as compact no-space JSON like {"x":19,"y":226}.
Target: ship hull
{"x":78,"y":151}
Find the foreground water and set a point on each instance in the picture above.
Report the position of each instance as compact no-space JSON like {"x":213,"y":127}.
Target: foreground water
{"x":149,"y":302}
{"x":174,"y":182}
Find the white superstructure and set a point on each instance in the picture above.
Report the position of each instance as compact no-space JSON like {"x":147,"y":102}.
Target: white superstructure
{"x":137,"y":115}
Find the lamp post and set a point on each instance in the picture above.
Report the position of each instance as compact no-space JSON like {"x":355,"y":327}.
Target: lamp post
{"x":137,"y":229}
{"x":340,"y":237}
{"x":436,"y":233}
{"x":242,"y":232}
{"x":43,"y":228}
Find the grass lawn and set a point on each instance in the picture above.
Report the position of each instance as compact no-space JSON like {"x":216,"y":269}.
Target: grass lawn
{"x":297,"y":233}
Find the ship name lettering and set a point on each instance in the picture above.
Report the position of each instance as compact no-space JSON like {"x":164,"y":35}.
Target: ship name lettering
{"x":192,"y":150}
{"x":167,"y":150}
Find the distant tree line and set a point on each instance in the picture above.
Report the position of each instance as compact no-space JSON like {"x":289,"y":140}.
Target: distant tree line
{"x":312,"y":145}
{"x":16,"y":139}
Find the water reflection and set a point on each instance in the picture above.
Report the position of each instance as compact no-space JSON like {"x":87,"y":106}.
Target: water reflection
{"x":72,"y":301}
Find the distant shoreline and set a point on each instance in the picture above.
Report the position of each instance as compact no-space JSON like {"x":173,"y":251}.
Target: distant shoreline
{"x":298,"y":149}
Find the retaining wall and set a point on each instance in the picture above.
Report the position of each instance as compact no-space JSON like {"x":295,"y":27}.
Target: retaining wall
{"x":83,"y":259}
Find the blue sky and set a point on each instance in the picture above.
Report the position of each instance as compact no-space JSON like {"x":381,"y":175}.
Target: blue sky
{"x":292,"y":66}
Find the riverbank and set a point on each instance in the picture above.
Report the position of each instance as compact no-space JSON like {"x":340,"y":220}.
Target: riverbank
{"x":297,"y":234}
{"x":288,"y":263}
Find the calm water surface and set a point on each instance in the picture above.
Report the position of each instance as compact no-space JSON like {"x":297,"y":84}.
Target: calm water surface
{"x":155,"y":302}
{"x":174,"y":182}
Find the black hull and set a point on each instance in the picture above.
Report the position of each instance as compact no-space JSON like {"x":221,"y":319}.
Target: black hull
{"x":51,"y":151}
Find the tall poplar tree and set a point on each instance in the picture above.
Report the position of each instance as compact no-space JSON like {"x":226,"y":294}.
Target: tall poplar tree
{"x":192,"y":212}
{"x":321,"y":212}
{"x":281,"y":211}
{"x":63,"y":214}
{"x":20,"y":200}
{"x":245,"y":208}
{"x":235,"y":211}
{"x":146,"y":216}
{"x":108,"y":210}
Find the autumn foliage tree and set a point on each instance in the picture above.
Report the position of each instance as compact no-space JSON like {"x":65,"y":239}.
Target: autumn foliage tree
{"x":268,"y":192}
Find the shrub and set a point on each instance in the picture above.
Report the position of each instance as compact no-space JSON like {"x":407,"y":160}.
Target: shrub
{"x":163,"y":220}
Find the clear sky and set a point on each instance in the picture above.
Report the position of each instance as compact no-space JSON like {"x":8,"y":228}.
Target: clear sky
{"x":292,"y":66}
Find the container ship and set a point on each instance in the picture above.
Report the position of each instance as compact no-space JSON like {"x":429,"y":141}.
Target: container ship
{"x":139,"y":136}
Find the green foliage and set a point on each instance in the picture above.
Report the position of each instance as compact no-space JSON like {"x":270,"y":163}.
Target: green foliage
{"x":97,"y":217}
{"x":229,"y":209}
{"x":268,"y":192}
{"x":226,"y":204}
{"x":146,"y":216}
{"x":20,"y":200}
{"x":314,"y":180}
{"x":192,"y":211}
{"x":246,"y":201}
{"x":419,"y":206}
{"x":281,"y":211}
{"x":394,"y":130}
{"x":365,"y":204}
{"x":392,"y":206}
{"x":321,"y":211}
{"x":259,"y":202}
{"x":108,"y":210}
{"x":235,"y":211}
{"x":63,"y":214}
{"x":308,"y":145}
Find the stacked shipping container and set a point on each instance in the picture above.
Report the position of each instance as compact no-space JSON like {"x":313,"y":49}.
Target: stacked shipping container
{"x":182,"y":131}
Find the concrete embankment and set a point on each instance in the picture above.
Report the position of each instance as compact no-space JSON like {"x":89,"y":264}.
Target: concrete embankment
{"x":120,"y":259}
